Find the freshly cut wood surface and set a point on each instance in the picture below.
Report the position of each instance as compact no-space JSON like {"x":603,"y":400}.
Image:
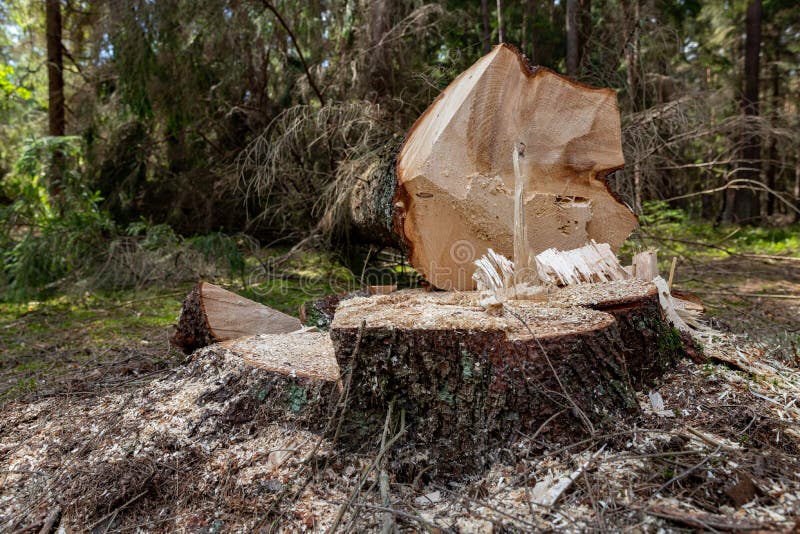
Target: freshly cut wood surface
{"x":645,"y":265}
{"x":468,"y":380}
{"x":455,"y":172}
{"x":211,"y":314}
{"x":301,"y":354}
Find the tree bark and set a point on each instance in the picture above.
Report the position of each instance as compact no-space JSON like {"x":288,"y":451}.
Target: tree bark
{"x":469,"y":381}
{"x":745,"y":201}
{"x":501,"y":33}
{"x":55,"y":69}
{"x":486,"y":36}
{"x":55,"y":93}
{"x":572,"y":38}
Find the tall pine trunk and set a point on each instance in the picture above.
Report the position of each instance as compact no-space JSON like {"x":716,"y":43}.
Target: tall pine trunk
{"x":486,"y":36}
{"x":771,"y":171}
{"x":745,"y":206}
{"x":572,"y":38}
{"x":55,"y":68}
{"x":501,"y":33}
{"x":55,"y":91}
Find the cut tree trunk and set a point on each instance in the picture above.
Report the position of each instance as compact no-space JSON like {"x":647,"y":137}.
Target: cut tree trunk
{"x":447,"y":196}
{"x":469,"y":381}
{"x":211,"y":314}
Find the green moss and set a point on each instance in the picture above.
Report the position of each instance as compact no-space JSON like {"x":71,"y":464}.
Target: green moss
{"x":467,"y":365}
{"x":446,"y":396}
{"x":669,"y":342}
{"x":298,"y":397}
{"x":30,"y":366}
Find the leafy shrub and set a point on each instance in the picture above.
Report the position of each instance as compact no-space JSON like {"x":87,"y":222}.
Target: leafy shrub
{"x":54,"y":234}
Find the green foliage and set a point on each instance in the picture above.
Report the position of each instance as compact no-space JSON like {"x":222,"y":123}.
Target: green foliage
{"x":55,"y":233}
{"x":45,"y":236}
{"x":676,"y":233}
{"x":657,"y":213}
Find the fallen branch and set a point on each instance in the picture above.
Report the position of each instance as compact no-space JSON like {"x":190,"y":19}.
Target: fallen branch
{"x":708,"y":521}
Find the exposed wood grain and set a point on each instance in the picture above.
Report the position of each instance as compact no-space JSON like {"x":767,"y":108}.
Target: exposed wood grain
{"x":211,"y":314}
{"x":455,"y":172}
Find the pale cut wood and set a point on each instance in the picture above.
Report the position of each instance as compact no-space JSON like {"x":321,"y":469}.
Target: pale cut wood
{"x":211,"y":314}
{"x":645,"y":265}
{"x":594,"y":262}
{"x":455,"y":172}
{"x":298,"y":354}
{"x":231,"y":316}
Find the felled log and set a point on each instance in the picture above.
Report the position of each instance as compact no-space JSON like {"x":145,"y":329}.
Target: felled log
{"x":449,"y":196}
{"x":469,"y":381}
{"x":211,"y":314}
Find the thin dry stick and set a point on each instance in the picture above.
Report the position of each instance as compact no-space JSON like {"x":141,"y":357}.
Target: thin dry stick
{"x":383,"y":481}
{"x":346,"y":394}
{"x":116,"y":510}
{"x":687,"y":472}
{"x":311,"y":81}
{"x":672,"y":271}
{"x":432,"y":527}
{"x":369,"y":469}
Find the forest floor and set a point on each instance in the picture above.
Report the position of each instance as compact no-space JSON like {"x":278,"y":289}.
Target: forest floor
{"x":81,"y":376}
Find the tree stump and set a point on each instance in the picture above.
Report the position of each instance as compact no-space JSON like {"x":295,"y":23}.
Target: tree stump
{"x":469,"y":381}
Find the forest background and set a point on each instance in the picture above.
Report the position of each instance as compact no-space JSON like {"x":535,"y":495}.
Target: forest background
{"x":151,"y":142}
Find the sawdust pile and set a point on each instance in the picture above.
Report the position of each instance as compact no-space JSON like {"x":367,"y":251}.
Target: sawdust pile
{"x":221,"y":446}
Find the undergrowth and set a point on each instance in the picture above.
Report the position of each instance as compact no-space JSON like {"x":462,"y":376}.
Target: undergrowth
{"x":56,"y":237}
{"x":674,"y":233}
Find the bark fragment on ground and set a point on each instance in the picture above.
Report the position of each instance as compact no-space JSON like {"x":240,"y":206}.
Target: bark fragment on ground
{"x":469,"y":381}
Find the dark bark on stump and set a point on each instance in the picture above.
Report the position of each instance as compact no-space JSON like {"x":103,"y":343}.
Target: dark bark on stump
{"x":193,"y":331}
{"x":465,"y":391}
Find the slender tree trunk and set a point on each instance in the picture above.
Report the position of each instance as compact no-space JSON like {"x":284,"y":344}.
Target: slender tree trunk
{"x":746,"y":205}
{"x":632,"y":72}
{"x":572,"y":37}
{"x":380,"y":22}
{"x":55,"y":93}
{"x":55,"y":68}
{"x":584,"y":29}
{"x":632,"y":14}
{"x":797,"y":189}
{"x":531,"y":9}
{"x":486,"y":37}
{"x":772,"y":155}
{"x":501,"y":33}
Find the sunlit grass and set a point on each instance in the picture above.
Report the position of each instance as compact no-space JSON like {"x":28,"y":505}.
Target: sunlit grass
{"x":674,"y":234}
